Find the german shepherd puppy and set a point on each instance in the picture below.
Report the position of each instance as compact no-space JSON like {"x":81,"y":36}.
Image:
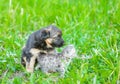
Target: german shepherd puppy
{"x":45,"y":39}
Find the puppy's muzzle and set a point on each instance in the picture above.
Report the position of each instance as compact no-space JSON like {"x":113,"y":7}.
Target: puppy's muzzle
{"x":58,"y":43}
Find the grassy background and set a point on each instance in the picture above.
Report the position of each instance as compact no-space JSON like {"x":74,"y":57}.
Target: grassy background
{"x":93,"y":26}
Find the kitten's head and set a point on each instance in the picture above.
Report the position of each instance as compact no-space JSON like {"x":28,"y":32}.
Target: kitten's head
{"x":69,"y":51}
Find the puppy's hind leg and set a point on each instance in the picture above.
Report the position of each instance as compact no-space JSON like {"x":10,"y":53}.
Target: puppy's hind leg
{"x":29,"y":62}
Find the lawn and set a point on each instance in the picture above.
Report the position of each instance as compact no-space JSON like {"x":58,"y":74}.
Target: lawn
{"x":93,"y":26}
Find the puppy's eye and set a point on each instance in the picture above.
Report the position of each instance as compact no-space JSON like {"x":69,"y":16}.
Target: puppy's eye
{"x":59,"y":35}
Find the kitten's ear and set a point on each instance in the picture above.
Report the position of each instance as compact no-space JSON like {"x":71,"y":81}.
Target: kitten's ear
{"x":45,"y":34}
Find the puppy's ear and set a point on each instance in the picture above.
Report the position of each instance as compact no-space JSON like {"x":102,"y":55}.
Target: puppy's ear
{"x":45,"y":34}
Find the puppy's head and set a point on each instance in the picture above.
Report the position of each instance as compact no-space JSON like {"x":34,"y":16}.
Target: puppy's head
{"x":55,"y":37}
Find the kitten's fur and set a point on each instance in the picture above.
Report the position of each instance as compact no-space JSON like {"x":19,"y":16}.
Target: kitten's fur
{"x":56,"y":62}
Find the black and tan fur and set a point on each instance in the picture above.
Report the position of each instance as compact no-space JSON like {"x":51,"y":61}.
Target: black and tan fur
{"x":45,"y":39}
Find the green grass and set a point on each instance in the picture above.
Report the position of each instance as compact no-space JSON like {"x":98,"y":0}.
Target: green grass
{"x":93,"y":26}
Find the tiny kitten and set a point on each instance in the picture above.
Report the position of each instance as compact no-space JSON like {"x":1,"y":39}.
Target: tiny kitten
{"x":56,"y":62}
